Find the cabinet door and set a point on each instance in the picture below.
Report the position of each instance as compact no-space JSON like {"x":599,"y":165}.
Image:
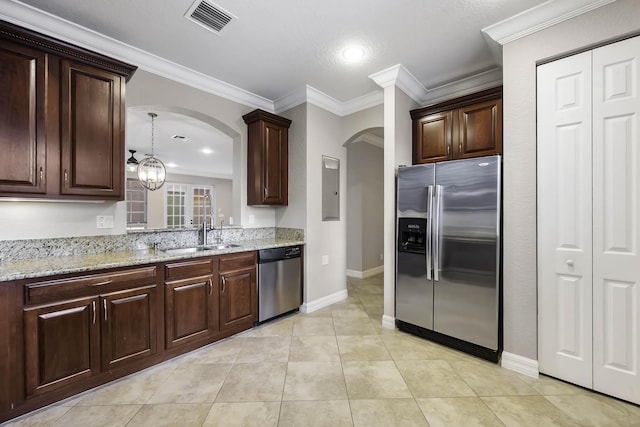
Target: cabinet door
{"x":238,"y":299}
{"x":191,"y":310}
{"x":62,"y":344}
{"x":432,"y":138}
{"x":22,"y":119}
{"x":129,"y":326}
{"x":92,"y":131}
{"x":275,"y":168}
{"x":480,"y":130}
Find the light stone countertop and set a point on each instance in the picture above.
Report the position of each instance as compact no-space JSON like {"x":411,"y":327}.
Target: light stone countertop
{"x":43,"y":267}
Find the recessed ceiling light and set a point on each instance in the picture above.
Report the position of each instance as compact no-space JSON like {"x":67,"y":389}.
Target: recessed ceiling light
{"x":171,"y":165}
{"x":206,"y":151}
{"x":353,"y":53}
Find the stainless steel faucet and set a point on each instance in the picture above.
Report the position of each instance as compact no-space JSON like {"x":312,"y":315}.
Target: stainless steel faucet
{"x":220,"y":234}
{"x":204,"y":241}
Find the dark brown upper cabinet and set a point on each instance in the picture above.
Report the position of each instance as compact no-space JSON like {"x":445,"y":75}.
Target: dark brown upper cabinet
{"x":268,"y":158}
{"x":470,"y":126}
{"x":62,"y":121}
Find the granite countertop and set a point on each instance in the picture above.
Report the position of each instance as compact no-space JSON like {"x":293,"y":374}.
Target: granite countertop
{"x":43,"y":267}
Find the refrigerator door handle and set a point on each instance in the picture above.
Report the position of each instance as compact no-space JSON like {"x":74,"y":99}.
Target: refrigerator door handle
{"x":429,"y":231}
{"x":436,"y":235}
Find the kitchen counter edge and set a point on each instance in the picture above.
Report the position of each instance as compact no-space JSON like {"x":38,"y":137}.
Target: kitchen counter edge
{"x":44,"y":267}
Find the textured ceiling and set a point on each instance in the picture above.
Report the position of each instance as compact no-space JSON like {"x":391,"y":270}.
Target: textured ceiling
{"x":277,"y":47}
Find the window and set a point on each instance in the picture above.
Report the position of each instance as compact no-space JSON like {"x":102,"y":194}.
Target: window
{"x":136,"y":197}
{"x":185,"y":204}
{"x":176,"y":196}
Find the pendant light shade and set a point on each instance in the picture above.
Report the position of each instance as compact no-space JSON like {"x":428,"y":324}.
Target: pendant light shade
{"x":132,"y":162}
{"x":151,"y":171}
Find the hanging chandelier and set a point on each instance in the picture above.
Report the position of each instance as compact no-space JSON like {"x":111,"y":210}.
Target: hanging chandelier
{"x":151,"y":171}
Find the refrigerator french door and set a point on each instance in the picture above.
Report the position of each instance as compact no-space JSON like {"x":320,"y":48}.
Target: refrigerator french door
{"x":448,"y":254}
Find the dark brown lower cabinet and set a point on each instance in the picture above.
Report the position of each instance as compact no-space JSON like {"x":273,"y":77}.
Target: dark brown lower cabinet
{"x":238,"y":291}
{"x":129,"y":326}
{"x":62,"y":344}
{"x":66,"y":334}
{"x":191,"y":302}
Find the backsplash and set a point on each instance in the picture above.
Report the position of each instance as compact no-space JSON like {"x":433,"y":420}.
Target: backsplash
{"x":17,"y":250}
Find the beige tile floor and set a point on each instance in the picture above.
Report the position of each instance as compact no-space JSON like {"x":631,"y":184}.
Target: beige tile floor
{"x":334,"y":367}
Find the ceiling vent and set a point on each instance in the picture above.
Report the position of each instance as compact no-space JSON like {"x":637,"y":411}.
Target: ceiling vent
{"x":209,"y":15}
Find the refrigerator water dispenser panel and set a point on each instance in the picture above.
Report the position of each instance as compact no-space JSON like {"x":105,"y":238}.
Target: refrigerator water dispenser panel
{"x":412,"y":235}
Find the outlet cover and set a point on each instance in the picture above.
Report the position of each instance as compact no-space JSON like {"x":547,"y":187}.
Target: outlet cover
{"x":104,"y":221}
{"x":325,"y":259}
{"x":252,"y":219}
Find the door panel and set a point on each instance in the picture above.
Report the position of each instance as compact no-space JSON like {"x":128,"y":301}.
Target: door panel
{"x":61,"y":344}
{"x":564,"y":219}
{"x":129,"y":326}
{"x":23,"y":86}
{"x":238,"y":298}
{"x":190,"y":310}
{"x":616,"y":227}
{"x":480,"y":129}
{"x":433,"y":138}
{"x":466,"y":293}
{"x":91,"y":123}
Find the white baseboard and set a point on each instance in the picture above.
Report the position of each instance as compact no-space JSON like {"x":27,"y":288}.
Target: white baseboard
{"x":388,"y":322}
{"x":310,"y":307}
{"x":365,"y":274}
{"x":520,"y":364}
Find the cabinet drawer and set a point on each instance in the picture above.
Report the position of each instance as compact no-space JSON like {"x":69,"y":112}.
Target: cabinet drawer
{"x":187,"y":269}
{"x":238,"y":261}
{"x":56,"y":290}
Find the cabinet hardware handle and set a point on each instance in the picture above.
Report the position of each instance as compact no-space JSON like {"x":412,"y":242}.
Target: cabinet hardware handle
{"x":569,"y":262}
{"x":210,"y":287}
{"x":66,"y":179}
{"x":448,"y":151}
{"x":224,"y":282}
{"x":265,"y":193}
{"x":41,"y":174}
{"x":104,"y":305}
{"x":106,"y":282}
{"x":93,"y":305}
{"x":459,"y":149}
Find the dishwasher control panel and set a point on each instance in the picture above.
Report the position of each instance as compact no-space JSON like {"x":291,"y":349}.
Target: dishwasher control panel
{"x":276,"y":254}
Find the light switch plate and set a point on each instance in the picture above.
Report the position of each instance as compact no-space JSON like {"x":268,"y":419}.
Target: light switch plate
{"x":325,"y":259}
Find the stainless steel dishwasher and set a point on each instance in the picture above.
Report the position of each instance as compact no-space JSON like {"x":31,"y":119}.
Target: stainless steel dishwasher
{"x":279,"y":281}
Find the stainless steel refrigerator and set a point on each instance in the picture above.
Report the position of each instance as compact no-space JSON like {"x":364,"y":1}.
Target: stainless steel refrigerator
{"x":448,"y":284}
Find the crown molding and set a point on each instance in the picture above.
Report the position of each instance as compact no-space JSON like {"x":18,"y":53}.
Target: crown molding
{"x":465,"y":86}
{"x":400,"y":77}
{"x":538,"y":18}
{"x":370,"y":138}
{"x":320,"y":99}
{"x":54,"y":26}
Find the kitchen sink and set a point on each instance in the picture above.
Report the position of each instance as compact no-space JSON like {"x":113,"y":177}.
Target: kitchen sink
{"x":194,"y":249}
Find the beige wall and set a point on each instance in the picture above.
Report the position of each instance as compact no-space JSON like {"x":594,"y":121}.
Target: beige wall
{"x":365,"y":206}
{"x":295,"y":214}
{"x":324,"y":237}
{"x":519,"y":60}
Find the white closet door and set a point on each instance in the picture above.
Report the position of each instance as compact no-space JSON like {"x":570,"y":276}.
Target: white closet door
{"x":616,"y":217}
{"x":564,"y":219}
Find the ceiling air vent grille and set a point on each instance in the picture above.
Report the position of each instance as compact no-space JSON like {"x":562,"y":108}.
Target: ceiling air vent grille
{"x":209,"y":15}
